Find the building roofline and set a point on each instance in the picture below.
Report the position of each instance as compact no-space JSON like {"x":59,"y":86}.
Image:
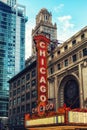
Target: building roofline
{"x":23,"y":71}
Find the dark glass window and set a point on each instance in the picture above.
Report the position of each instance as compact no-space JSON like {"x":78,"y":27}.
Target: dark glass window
{"x":27,"y":76}
{"x":66,"y":47}
{"x":18,"y":82}
{"x":28,"y":85}
{"x":34,"y":104}
{"x":14,"y":110}
{"x":73,"y":42}
{"x":58,"y":66}
{"x":18,"y":90}
{"x":14,"y":92}
{"x":33,"y":74}
{"x":18,"y":100}
{"x":51,"y":70}
{"x":85,"y":52}
{"x":18,"y":109}
{"x":28,"y":96}
{"x":23,"y":80}
{"x":22,"y":88}
{"x":22,"y":98}
{"x":27,"y":107}
{"x":4,"y":14}
{"x":33,"y":83}
{"x":22,"y":108}
{"x":74,"y":58}
{"x":66,"y":62}
{"x":14,"y":101}
{"x":14,"y":84}
{"x":82,"y":36}
{"x":58,"y":52}
{"x":34,"y":93}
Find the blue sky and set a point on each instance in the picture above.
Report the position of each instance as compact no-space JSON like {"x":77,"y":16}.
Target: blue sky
{"x":69,"y":15}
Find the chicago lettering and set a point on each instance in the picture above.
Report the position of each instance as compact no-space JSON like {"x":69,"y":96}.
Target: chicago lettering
{"x":42,"y":71}
{"x":42,"y":108}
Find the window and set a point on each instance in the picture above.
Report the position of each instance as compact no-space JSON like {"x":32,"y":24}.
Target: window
{"x":18,"y":100}
{"x":22,"y":98}
{"x":66,"y":62}
{"x":23,"y":80}
{"x":27,"y":107}
{"x":27,"y":76}
{"x":14,"y":101}
{"x":58,"y":52}
{"x":18,"y":109}
{"x":28,"y":96}
{"x":51,"y":70}
{"x":18,"y":82}
{"x":33,"y":73}
{"x":73,"y":42}
{"x":66,"y":47}
{"x":34,"y":104}
{"x":18,"y":90}
{"x":14,"y":92}
{"x":52,"y":56}
{"x":82,"y":36}
{"x":14,"y":84}
{"x":33,"y":83}
{"x":34,"y":93}
{"x":22,"y":88}
{"x":58,"y":66}
{"x":28,"y":85}
{"x":10,"y":94}
{"x":85,"y":52}
{"x":22,"y":108}
{"x":14,"y":110}
{"x":74,"y":58}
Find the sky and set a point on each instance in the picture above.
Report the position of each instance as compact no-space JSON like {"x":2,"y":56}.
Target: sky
{"x":69,"y":15}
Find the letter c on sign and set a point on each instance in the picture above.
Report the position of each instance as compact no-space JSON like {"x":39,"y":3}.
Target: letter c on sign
{"x":42,"y":70}
{"x":42,"y":44}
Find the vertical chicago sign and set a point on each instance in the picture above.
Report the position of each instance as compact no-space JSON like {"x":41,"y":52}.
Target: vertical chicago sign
{"x":41,"y":46}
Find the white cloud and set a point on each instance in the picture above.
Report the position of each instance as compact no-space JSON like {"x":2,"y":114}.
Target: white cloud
{"x":65,"y":27}
{"x":65,"y":22}
{"x":58,"y":8}
{"x":64,"y":18}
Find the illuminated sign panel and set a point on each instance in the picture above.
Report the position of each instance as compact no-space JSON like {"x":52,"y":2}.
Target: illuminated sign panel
{"x":41,"y":45}
{"x":42,"y":121}
{"x":77,"y":117}
{"x":42,"y":71}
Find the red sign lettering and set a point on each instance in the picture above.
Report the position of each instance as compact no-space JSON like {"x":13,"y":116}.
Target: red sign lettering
{"x":42,"y":46}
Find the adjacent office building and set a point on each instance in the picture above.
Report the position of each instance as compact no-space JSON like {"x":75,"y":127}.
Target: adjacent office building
{"x":12,"y":48}
{"x":23,"y":95}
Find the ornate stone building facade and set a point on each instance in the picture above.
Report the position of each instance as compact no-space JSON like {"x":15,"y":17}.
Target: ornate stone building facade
{"x":44,"y":26}
{"x":67,"y":72}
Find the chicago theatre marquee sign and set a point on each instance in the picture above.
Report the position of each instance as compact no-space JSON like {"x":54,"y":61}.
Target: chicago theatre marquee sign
{"x":42,"y":43}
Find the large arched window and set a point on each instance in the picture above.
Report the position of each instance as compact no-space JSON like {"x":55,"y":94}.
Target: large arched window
{"x":71,"y":94}
{"x":68,"y":92}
